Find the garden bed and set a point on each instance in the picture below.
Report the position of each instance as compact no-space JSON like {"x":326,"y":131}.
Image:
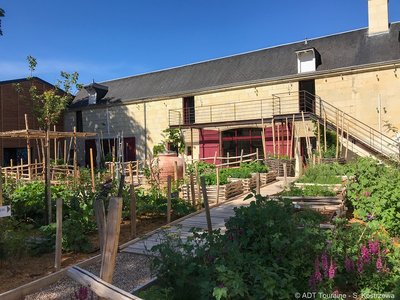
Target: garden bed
{"x":226,"y":191}
{"x":276,"y":165}
{"x":248,"y":183}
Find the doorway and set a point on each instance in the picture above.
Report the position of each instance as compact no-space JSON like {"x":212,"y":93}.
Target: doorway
{"x":307,"y":95}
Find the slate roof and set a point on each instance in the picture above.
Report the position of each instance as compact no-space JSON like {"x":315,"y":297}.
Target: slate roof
{"x":349,"y":49}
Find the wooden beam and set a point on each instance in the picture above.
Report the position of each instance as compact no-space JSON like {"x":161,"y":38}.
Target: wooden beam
{"x":100,"y":287}
{"x":292,"y":140}
{"x":192,"y":191}
{"x":217,"y":170}
{"x":273,"y":137}
{"x":28,"y":148}
{"x":113,"y":227}
{"x":75,"y":162}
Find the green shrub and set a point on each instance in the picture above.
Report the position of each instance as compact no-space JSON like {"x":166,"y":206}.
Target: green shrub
{"x":323,"y":174}
{"x":375,"y":193}
{"x":263,"y":255}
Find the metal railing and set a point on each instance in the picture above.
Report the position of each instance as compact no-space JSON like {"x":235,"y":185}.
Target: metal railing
{"x":289,"y":104}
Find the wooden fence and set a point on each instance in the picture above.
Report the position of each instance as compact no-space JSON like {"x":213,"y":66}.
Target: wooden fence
{"x":130,"y":168}
{"x":35,"y":171}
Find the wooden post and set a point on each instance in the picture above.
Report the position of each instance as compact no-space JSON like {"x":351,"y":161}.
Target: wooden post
{"x":133,"y":211}
{"x":217,"y":170}
{"x":113,"y":228}
{"x":92,"y":170}
{"x":273,"y":137}
{"x":263,"y":142}
{"x":341,"y":136}
{"x":258,"y":190}
{"x":215,"y":158}
{"x":47,"y":176}
{"x":55,"y":146}
{"x":57,"y":263}
{"x":191,"y":143}
{"x":43,"y":151}
{"x":347,"y":140}
{"x":319,"y":139}
{"x":292,"y":139}
{"x":257,"y":154}
{"x":196,"y":169}
{"x":137,"y":171}
{"x":221,"y":152}
{"x":206,"y":205}
{"x":227,"y":159}
{"x":100,"y":214}
{"x":169,"y":186}
{"x":38,"y":151}
{"x":279,"y":141}
{"x":36,"y":167}
{"x":325,"y":146}
{"x":75,"y":158}
{"x":241,"y":155}
{"x":285,"y":174}
{"x":287,"y":138}
{"x":28,"y":148}
{"x":337,"y":135}
{"x":176,"y":173}
{"x":65,"y":151}
{"x":192,"y":191}
{"x":130,"y":171}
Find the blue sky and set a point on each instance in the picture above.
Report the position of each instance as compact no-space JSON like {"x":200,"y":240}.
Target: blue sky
{"x":104,"y":40}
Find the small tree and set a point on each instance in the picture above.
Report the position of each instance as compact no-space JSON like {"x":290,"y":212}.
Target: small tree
{"x":47,"y":108}
{"x":2,"y":14}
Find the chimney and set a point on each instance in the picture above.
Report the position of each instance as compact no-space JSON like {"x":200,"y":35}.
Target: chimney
{"x":378,"y":16}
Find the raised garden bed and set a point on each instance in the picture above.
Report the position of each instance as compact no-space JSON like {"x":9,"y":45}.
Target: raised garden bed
{"x":268,"y":177}
{"x":248,"y":183}
{"x":276,"y":165}
{"x":226,"y":191}
{"x":332,"y":187}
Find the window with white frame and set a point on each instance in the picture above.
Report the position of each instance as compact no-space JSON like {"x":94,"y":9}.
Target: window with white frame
{"x":306,"y":61}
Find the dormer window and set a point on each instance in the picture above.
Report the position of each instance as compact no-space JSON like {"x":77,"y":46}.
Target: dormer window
{"x":95,"y":92}
{"x":307,"y":60}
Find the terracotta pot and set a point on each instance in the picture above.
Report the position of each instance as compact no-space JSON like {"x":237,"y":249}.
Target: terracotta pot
{"x":166,"y":164}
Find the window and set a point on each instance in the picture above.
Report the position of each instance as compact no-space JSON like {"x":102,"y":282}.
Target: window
{"x":79,"y":121}
{"x":307,"y":60}
{"x":188,"y":110}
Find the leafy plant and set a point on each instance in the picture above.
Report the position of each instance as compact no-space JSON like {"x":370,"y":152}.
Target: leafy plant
{"x":323,"y":174}
{"x":309,"y":191}
{"x":263,"y":254}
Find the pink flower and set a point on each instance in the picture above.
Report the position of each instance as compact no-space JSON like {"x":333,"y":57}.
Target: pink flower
{"x":317,"y":273}
{"x":373,"y":247}
{"x":365,"y":254}
{"x":367,"y":194}
{"x":349,"y":265}
{"x":324,"y":263}
{"x":332,"y":270}
{"x":379,"y":265}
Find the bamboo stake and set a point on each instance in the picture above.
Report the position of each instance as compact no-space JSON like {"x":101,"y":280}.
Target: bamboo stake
{"x":36,"y":167}
{"x":263,"y":142}
{"x":292,"y":139}
{"x":28,"y":148}
{"x":65,"y":151}
{"x":92,"y":170}
{"x":258,"y":190}
{"x":133,"y":211}
{"x":196,"y":169}
{"x":55,"y":146}
{"x":285,"y":181}
{"x":217,"y":170}
{"x":257,"y":154}
{"x":227,"y":159}
{"x":325,"y":145}
{"x":130,"y":171}
{"x":279,"y":141}
{"x":75,"y":158}
{"x":206,"y":205}
{"x":337,"y":135}
{"x":347,"y":140}
{"x":273,"y":137}
{"x":57,"y":263}
{"x":241,"y":155}
{"x":38,"y":151}
{"x":287,"y":138}
{"x":191,"y":143}
{"x":169,"y":179}
{"x":192,"y":191}
{"x":319,"y":140}
{"x":215,"y":158}
{"x":341,"y":136}
{"x":137,"y":171}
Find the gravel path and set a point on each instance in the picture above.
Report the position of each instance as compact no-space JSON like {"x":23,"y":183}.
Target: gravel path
{"x":131,"y":271}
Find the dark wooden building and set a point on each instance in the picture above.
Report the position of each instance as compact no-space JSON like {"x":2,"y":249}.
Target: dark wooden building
{"x":13,"y":107}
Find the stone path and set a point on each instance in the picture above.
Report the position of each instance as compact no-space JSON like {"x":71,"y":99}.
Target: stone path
{"x":219,"y":215}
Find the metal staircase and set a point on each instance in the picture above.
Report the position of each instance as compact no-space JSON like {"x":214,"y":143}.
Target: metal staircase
{"x":283,"y":107}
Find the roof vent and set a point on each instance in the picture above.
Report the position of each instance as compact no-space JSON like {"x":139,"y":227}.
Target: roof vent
{"x":96,"y":92}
